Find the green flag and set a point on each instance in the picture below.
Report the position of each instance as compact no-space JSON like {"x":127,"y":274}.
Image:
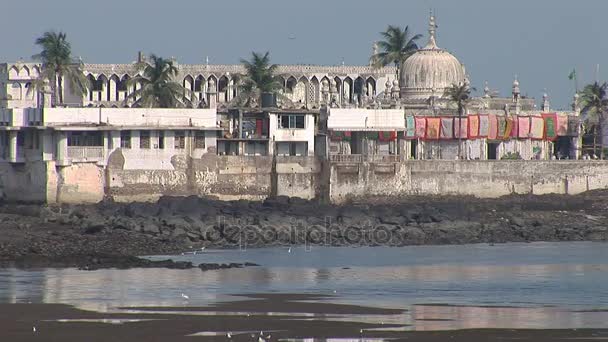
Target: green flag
{"x":572,"y":74}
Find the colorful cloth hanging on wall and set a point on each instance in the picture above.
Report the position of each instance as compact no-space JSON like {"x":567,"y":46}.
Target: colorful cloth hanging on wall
{"x":562,"y":125}
{"x":523,"y":127}
{"x":510,"y":128}
{"x":484,"y":126}
{"x":447,"y":128}
{"x":387,"y":136}
{"x":492,"y":127}
{"x":410,"y":127}
{"x":433,"y":127}
{"x":473,"y":126}
{"x":537,"y":127}
{"x":340,"y":135}
{"x":464,"y":126}
{"x":420,"y":127}
{"x":502,"y":127}
{"x":550,"y":126}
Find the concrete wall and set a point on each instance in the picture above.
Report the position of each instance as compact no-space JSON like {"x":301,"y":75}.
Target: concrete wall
{"x":479,"y":178}
{"x":25,"y":182}
{"x":224,"y":177}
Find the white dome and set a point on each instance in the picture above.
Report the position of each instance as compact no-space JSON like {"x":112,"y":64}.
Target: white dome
{"x":428,"y":69}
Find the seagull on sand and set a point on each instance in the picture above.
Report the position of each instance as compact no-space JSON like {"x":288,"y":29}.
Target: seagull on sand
{"x":185,"y":296}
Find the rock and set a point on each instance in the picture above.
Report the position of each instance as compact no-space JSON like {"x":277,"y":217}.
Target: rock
{"x":151,"y":228}
{"x":178,"y":232}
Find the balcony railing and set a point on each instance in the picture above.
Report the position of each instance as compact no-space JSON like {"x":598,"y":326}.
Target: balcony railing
{"x":371,"y":158}
{"x":85,"y":153}
{"x":346,"y":158}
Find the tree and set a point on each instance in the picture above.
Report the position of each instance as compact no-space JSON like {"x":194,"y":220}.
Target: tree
{"x":156,"y":85}
{"x":459,"y":94}
{"x":259,"y":78}
{"x":58,"y":67}
{"x":595,"y":103}
{"x":397,"y":46}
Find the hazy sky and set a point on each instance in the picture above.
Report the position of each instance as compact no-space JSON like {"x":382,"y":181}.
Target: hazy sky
{"x":540,"y":41}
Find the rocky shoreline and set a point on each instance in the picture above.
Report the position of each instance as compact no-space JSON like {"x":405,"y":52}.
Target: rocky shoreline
{"x":110,"y":234}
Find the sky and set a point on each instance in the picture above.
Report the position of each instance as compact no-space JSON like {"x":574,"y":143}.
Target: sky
{"x":540,"y":41}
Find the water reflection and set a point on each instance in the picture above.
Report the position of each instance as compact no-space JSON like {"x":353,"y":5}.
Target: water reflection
{"x":539,"y":286}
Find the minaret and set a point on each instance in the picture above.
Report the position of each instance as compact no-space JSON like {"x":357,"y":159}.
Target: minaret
{"x":516,"y":94}
{"x":545,"y":106}
{"x":432,"y":44}
{"x":576,"y":104}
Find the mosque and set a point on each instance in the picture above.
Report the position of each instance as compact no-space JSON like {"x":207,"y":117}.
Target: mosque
{"x":352,"y":106}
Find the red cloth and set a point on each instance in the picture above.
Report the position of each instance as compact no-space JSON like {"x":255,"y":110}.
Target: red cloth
{"x":258,"y":127}
{"x":473,"y":126}
{"x":551,"y":126}
{"x":387,"y":136}
{"x":420,"y":127}
{"x":492,"y":127}
{"x":514,"y":127}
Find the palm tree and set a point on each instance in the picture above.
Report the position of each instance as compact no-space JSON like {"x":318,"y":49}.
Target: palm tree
{"x":157,"y":88}
{"x":459,"y":94}
{"x":595,"y":104}
{"x":259,"y":78}
{"x":396,"y":47}
{"x":58,"y":67}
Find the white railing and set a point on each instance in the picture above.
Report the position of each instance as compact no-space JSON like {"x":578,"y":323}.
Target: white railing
{"x":85,"y":153}
{"x":370,"y":158}
{"x":346,"y":158}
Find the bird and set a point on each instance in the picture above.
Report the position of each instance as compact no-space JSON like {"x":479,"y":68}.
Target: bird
{"x":185,"y":296}
{"x":289,"y":250}
{"x":229,"y":334}
{"x":34,"y":329}
{"x":202,"y":248}
{"x":261,"y":339}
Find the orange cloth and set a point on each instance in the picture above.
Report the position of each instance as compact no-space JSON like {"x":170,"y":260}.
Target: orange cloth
{"x":473,"y":126}
{"x":433,"y":126}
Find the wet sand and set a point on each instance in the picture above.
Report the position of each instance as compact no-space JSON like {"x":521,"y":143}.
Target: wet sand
{"x":244,"y":319}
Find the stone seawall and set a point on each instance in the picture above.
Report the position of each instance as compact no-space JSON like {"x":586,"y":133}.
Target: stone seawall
{"x":256,"y":178}
{"x":485,"y":179}
{"x":224,"y":177}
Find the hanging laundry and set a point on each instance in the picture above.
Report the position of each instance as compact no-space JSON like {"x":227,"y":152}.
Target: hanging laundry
{"x":510,"y":128}
{"x":492,"y":127}
{"x":484,"y":126}
{"x":372,"y":135}
{"x":523,"y":127}
{"x":433,"y":126}
{"x":473,"y":126}
{"x":387,"y":136}
{"x":550,"y":125}
{"x":463,"y":128}
{"x":562,"y":125}
{"x":420,"y":127}
{"x":410,"y":127}
{"x":447,"y":128}
{"x":502,"y":127}
{"x":537,"y":127}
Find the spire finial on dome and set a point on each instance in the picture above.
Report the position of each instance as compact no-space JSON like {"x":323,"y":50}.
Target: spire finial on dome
{"x":432,"y":30}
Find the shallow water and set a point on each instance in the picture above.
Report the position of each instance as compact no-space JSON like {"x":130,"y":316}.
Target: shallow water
{"x":537,"y":285}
